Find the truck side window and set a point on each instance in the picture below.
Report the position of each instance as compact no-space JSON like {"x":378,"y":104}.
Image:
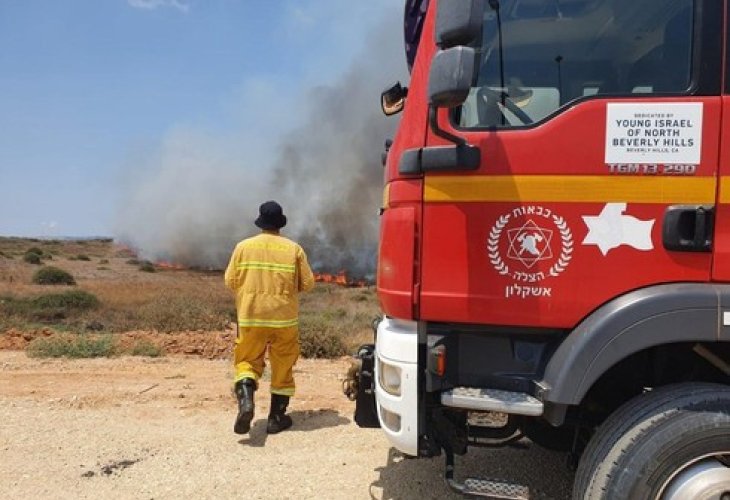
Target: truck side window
{"x":555,"y":51}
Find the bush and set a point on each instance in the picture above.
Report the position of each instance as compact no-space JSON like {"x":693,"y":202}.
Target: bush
{"x":32,"y":258}
{"x":133,"y":262}
{"x":318,"y":338}
{"x":146,"y":348}
{"x":71,"y":346}
{"x":35,"y":250}
{"x":104,"y":261}
{"x":82,"y":256}
{"x":47,"y":308}
{"x":11,"y":306}
{"x":53,"y":276}
{"x":147,"y":267}
{"x":73,"y":299}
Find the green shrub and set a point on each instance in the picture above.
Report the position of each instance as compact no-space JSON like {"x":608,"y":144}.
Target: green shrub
{"x":46,"y":308}
{"x":35,"y":250}
{"x":82,"y":256}
{"x":146,"y":348}
{"x":72,"y":346}
{"x":147,"y":267}
{"x":32,"y":258}
{"x":73,"y":299}
{"x":11,"y":306}
{"x":318,"y":338}
{"x":53,"y":276}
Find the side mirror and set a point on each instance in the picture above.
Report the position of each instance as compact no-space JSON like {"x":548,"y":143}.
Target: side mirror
{"x":451,"y":77}
{"x":393,"y":100}
{"x":458,"y":22}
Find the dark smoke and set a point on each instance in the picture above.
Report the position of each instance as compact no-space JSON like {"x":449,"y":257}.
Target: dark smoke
{"x":199,"y":196}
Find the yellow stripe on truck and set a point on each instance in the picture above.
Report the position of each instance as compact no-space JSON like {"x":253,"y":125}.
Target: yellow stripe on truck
{"x":570,"y":188}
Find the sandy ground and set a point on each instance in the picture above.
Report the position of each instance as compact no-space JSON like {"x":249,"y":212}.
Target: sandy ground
{"x":162,"y":428}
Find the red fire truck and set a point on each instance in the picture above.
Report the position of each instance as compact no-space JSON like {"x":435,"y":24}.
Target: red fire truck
{"x":555,"y":242}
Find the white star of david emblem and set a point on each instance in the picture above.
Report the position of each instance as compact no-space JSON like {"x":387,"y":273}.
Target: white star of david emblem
{"x":530,"y":244}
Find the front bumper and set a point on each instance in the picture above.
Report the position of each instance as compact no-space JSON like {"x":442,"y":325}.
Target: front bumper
{"x":397,"y":346}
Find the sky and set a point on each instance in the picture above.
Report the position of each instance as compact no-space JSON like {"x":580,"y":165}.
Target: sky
{"x":92,"y":91}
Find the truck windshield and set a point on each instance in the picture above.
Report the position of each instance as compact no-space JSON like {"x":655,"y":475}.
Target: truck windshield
{"x":552,"y":52}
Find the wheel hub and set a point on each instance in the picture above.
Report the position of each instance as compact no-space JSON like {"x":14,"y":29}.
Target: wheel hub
{"x":707,"y":478}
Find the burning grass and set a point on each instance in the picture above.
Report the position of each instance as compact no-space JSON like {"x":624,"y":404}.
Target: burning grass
{"x":334,"y":319}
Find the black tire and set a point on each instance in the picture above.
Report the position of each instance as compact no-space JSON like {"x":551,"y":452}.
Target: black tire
{"x":646,"y":440}
{"x":670,"y":446}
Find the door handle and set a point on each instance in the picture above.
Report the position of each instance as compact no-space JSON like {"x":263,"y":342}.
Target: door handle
{"x":688,"y":228}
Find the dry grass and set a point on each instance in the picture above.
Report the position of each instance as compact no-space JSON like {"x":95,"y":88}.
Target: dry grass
{"x":345,"y":313}
{"x":333,"y":320}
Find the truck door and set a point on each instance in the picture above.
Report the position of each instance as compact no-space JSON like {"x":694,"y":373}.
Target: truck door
{"x":598,"y":123}
{"x":721,"y":242}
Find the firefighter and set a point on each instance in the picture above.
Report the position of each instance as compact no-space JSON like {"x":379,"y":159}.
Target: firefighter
{"x":266,"y":273}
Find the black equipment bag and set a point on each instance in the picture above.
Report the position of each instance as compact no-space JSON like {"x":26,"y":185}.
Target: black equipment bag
{"x":366,"y":413}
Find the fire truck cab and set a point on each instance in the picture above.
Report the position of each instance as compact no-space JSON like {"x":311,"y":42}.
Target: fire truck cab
{"x":555,"y":241}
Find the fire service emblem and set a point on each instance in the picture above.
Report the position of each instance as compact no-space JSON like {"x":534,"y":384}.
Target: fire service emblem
{"x":525,"y":237}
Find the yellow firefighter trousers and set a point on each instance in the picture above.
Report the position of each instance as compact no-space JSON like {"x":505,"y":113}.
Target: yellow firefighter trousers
{"x":283,"y":346}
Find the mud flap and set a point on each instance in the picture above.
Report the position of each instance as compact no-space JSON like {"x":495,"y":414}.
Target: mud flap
{"x":366,"y":413}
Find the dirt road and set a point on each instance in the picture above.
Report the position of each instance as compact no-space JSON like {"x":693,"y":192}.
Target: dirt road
{"x":162,"y":428}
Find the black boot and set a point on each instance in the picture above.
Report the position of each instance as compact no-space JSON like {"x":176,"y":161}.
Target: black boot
{"x":278,"y":421}
{"x":244,"y":393}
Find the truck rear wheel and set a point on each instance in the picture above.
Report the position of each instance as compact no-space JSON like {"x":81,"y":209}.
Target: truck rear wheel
{"x":670,"y":443}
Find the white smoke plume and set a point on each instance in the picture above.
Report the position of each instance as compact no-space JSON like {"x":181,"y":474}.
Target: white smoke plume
{"x":199,"y":193}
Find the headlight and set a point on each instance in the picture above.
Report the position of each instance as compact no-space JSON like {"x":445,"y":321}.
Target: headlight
{"x":389,"y":377}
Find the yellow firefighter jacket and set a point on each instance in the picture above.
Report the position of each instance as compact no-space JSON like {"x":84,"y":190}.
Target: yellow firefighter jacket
{"x":266,"y":273}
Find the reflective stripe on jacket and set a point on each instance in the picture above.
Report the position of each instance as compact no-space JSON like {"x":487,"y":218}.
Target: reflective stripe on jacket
{"x":266,"y":273}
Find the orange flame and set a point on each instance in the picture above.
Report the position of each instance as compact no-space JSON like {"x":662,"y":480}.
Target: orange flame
{"x":162,"y":264}
{"x":339,"y":279}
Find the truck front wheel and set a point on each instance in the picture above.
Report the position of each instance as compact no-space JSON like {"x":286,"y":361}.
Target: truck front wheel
{"x":670,"y":443}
